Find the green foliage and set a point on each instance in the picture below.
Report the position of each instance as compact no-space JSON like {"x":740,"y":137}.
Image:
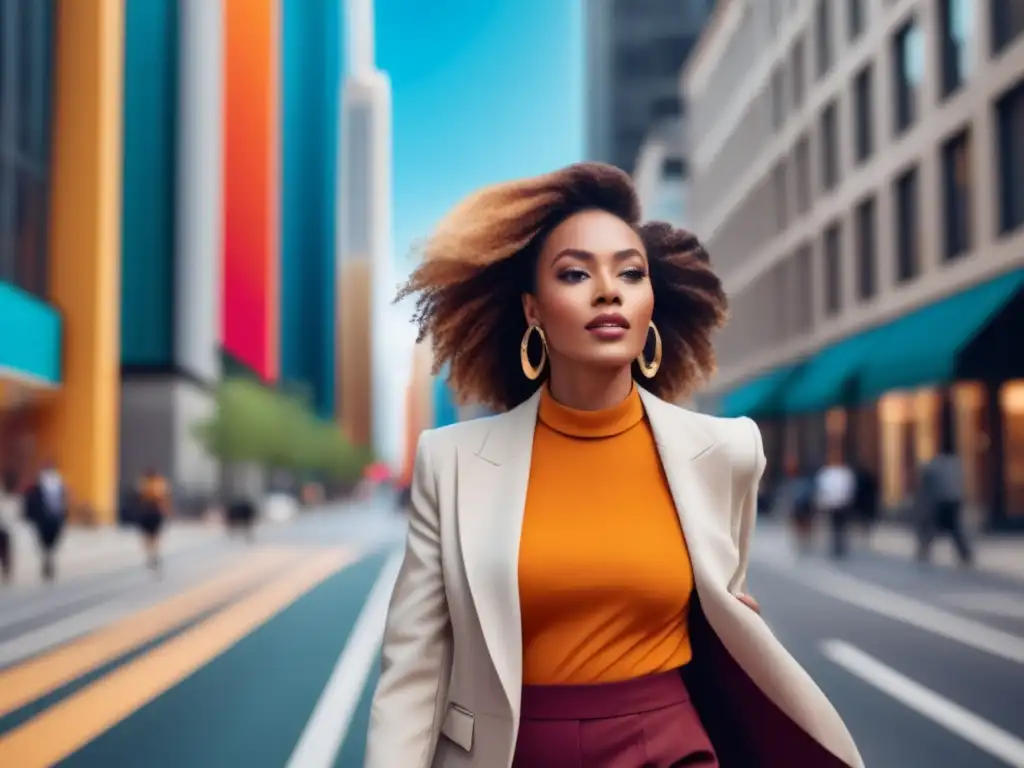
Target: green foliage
{"x":277,"y":429}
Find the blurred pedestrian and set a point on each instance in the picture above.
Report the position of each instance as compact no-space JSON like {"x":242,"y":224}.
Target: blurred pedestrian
{"x":8,"y":521}
{"x":242,"y":518}
{"x":835,"y":488}
{"x":940,"y":502}
{"x":799,"y":490}
{"x":154,"y":500}
{"x":865,"y":502}
{"x":46,"y":508}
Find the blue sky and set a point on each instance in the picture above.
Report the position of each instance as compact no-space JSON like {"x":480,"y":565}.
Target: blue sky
{"x":484,"y":90}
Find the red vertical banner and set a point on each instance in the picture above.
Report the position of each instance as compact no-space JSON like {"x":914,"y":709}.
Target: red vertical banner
{"x":250,"y":322}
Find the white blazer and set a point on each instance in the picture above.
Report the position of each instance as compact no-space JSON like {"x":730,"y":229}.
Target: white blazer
{"x":451,"y":673}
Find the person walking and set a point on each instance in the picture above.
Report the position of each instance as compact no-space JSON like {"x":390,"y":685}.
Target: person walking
{"x":798,"y":491}
{"x":941,"y":501}
{"x":865,"y":503}
{"x":46,"y":508}
{"x":8,"y":520}
{"x":154,"y":508}
{"x":835,"y":489}
{"x":574,"y":585}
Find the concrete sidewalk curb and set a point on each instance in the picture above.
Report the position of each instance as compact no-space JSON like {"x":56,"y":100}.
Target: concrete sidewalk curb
{"x":85,"y":552}
{"x":1001,"y":556}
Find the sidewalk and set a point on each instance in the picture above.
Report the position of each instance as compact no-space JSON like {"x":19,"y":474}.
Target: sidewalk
{"x":90,"y":551}
{"x":1001,"y":555}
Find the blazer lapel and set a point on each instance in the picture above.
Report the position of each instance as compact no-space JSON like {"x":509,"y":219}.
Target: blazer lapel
{"x":729,"y":699}
{"x":492,"y":484}
{"x":700,"y":487}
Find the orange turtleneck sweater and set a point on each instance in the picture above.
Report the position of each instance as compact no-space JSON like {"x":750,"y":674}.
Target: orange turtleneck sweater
{"x":604,"y":573}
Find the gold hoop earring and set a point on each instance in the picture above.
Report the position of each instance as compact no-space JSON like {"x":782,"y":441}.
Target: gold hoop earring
{"x":531,"y":371}
{"x":650,"y":369}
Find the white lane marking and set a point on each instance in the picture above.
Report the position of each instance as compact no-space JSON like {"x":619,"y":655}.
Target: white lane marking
{"x":326,"y":728}
{"x":968,"y":726}
{"x":898,"y":607}
{"x":1005,"y":605}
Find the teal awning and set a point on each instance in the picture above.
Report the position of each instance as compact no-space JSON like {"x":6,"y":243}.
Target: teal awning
{"x":922,"y":348}
{"x":30,"y":337}
{"x":830,"y":377}
{"x":762,"y":396}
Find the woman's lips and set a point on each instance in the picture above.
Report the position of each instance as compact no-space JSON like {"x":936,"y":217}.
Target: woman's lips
{"x":607,"y":332}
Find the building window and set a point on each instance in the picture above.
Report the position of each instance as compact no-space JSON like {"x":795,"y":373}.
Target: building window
{"x":781,"y":194}
{"x":957,"y":184}
{"x":1007,"y":22}
{"x":856,"y":18}
{"x":832,"y":258}
{"x":804,"y":315}
{"x":866,"y":245}
{"x":823,"y":36}
{"x":863,"y":115}
{"x":908,"y":71}
{"x":1010,"y":117}
{"x":956,"y":29}
{"x":26,"y":52}
{"x":828,"y":129}
{"x":906,"y":195}
{"x":799,"y":68}
{"x":784,"y":317}
{"x":802,"y":169}
{"x":778,"y":99}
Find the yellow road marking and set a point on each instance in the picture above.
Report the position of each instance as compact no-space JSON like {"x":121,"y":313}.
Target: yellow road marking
{"x":28,"y":681}
{"x":73,"y":723}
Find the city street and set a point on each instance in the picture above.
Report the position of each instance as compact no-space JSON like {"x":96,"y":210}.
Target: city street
{"x":265,"y":654}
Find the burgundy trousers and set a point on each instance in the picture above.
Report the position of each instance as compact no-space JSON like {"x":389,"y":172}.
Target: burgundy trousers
{"x":648,"y":722}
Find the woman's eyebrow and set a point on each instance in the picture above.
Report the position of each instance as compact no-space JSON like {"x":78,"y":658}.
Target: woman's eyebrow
{"x":583,"y":255}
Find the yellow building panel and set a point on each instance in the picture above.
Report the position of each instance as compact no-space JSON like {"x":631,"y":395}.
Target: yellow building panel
{"x":80,"y":428}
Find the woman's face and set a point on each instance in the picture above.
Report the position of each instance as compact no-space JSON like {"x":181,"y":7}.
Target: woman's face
{"x":593,"y":295}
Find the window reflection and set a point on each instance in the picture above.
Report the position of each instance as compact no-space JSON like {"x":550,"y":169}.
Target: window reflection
{"x":956,"y":22}
{"x":26,"y":50}
{"x":908,"y":73}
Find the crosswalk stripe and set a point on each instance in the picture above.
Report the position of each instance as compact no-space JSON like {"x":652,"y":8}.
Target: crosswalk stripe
{"x":980,"y":732}
{"x":64,"y":728}
{"x":326,"y":728}
{"x":24,"y":683}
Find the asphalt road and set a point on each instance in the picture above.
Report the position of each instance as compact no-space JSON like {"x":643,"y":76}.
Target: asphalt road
{"x":265,"y":655}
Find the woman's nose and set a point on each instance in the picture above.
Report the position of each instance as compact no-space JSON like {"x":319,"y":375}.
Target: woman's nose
{"x":607,"y":291}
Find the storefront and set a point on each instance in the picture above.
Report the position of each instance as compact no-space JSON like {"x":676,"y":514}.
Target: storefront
{"x":886,"y":397}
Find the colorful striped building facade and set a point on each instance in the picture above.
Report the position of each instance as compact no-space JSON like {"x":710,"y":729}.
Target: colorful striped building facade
{"x":168,"y":185}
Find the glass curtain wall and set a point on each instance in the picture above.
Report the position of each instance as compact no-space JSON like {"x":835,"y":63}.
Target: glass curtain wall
{"x":26,"y":74}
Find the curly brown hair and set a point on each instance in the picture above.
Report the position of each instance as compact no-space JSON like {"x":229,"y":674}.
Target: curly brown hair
{"x":483,"y":257}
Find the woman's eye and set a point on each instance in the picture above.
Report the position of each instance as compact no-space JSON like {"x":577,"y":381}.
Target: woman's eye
{"x":635,"y":275}
{"x":572,"y":276}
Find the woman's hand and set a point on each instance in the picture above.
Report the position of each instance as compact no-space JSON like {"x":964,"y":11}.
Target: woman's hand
{"x":750,"y":602}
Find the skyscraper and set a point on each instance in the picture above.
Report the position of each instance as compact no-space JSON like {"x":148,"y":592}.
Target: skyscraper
{"x":633,"y":55}
{"x":364,"y":235}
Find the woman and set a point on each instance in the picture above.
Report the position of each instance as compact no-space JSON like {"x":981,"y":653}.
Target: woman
{"x":154,"y":507}
{"x":575,"y":567}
